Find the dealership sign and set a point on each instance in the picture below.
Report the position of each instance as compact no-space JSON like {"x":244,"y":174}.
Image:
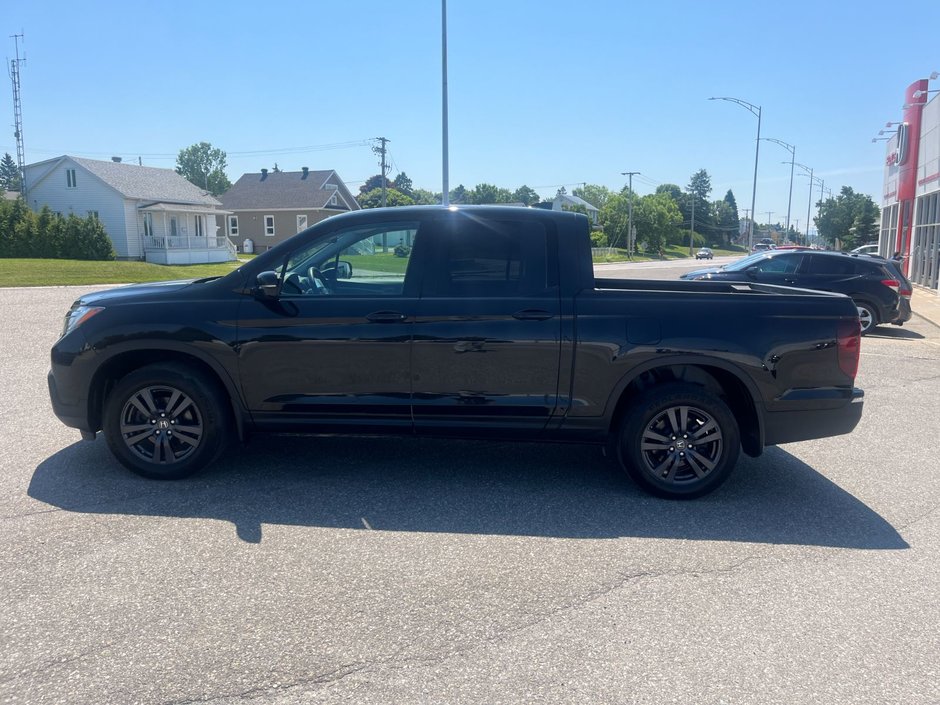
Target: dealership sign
{"x":898,"y":156}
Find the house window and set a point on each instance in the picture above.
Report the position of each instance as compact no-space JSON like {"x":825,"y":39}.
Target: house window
{"x":332,"y":201}
{"x":174,"y":227}
{"x":200,"y":231}
{"x":93,"y":215}
{"x":269,"y":225}
{"x":233,"y":225}
{"x":70,"y":178}
{"x":148,"y":224}
{"x":301,"y":222}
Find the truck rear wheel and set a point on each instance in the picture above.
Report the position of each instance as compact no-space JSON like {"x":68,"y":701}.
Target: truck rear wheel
{"x":165,"y":422}
{"x":679,"y":441}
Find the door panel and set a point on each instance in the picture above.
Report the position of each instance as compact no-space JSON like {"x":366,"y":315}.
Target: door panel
{"x":487,"y":336}
{"x":333,"y":351}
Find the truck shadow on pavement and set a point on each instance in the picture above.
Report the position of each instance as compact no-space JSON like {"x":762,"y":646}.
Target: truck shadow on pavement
{"x":475,"y":487}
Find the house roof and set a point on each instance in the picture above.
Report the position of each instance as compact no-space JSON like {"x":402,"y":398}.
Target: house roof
{"x":146,"y":182}
{"x":286,"y":190}
{"x":565,"y":199}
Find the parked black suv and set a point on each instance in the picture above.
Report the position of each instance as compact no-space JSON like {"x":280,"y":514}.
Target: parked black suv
{"x":868,"y":281}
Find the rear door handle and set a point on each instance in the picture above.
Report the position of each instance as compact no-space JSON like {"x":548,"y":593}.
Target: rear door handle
{"x":386,"y":317}
{"x":532,"y":314}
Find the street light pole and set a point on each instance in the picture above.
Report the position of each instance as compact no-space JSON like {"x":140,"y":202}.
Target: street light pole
{"x":792,"y":150}
{"x":445,"y":167}
{"x":756,"y":111}
{"x":809,"y":203}
{"x":692,"y":231}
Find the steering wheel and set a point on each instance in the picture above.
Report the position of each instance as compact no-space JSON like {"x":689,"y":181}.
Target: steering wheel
{"x":318,"y":284}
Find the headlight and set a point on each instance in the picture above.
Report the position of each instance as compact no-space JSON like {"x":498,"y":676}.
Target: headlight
{"x":78,"y":315}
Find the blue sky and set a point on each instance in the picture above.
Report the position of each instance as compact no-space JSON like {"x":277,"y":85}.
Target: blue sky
{"x":541,"y":93}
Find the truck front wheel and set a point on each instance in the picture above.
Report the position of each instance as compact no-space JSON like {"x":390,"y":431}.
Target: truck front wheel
{"x":679,"y":441}
{"x":165,"y":421}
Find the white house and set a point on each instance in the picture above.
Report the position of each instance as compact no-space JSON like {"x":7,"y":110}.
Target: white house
{"x":149,"y":213}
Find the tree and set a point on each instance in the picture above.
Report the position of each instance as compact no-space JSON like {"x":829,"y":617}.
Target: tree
{"x":848,"y":218}
{"x":204,"y":166}
{"x":459,"y":194}
{"x":488,"y":193}
{"x":656,"y":218}
{"x":594,"y":194}
{"x":9,"y":174}
{"x":393,"y":198}
{"x":423,"y":197}
{"x":525,"y":195}
{"x":701,"y":184}
{"x":374,"y":182}
{"x":403,"y":184}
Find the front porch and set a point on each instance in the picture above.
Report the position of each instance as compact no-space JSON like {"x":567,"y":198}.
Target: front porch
{"x":175,"y":233}
{"x":165,"y":249}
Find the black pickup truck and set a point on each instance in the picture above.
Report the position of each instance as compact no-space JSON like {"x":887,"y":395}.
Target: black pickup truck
{"x":482,"y":322}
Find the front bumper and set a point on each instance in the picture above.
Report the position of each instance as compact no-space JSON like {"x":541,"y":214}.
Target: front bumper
{"x":72,"y":413}
{"x":809,"y":423}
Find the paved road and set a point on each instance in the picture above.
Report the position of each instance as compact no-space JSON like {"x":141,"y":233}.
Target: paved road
{"x":417,"y":571}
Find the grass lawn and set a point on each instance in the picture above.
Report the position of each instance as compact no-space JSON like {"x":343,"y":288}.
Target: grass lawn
{"x":379,"y":262}
{"x":67,"y":272}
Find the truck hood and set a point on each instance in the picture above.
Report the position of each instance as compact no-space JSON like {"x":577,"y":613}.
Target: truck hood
{"x":134,"y":292}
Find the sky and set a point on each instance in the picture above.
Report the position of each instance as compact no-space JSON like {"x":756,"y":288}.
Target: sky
{"x":545,"y":94}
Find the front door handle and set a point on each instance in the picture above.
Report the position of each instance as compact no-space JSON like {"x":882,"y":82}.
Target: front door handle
{"x":532,"y":314}
{"x":386,"y":317}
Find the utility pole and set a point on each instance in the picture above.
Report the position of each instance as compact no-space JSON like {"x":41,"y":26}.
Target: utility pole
{"x":692,"y":231}
{"x":630,"y":243}
{"x":769,"y":215}
{"x":381,"y":149}
{"x":18,"y":114}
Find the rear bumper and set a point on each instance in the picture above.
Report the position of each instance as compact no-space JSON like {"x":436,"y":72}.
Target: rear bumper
{"x":807,"y":424}
{"x":904,"y":312}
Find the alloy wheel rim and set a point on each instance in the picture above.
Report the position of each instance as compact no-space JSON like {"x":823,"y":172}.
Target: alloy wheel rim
{"x":161,"y":425}
{"x":681,"y":445}
{"x":864,"y":317}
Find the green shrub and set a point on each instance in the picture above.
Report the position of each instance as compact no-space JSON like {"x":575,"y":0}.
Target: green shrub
{"x":599,"y":238}
{"x":47,"y":235}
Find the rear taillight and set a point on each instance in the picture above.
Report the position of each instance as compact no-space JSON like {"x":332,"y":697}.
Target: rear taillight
{"x":892,"y":284}
{"x":849,"y":340}
{"x":906,"y":293}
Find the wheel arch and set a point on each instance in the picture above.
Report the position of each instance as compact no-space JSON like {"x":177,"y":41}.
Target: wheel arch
{"x":716,"y":377}
{"x":124,"y":362}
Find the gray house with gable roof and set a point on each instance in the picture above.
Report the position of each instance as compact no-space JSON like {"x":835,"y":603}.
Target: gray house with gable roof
{"x":149,"y":213}
{"x":266,"y":208}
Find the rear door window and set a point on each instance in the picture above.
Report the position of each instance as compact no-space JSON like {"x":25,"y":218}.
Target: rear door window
{"x":490,"y":258}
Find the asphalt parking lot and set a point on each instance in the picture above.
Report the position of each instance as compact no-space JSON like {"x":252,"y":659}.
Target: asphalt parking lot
{"x":421,"y":571}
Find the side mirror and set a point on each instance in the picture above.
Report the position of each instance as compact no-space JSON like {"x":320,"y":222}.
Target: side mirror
{"x":267,"y":285}
{"x":344,"y":270}
{"x":752,"y":272}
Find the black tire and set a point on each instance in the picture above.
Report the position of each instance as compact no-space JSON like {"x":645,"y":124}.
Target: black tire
{"x":678,"y":441}
{"x":867,"y":316}
{"x":166,"y":421}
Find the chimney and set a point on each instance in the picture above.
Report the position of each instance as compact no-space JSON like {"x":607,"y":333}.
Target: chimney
{"x":264,"y":174}
{"x":116,"y":160}
{"x":306,"y":173}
